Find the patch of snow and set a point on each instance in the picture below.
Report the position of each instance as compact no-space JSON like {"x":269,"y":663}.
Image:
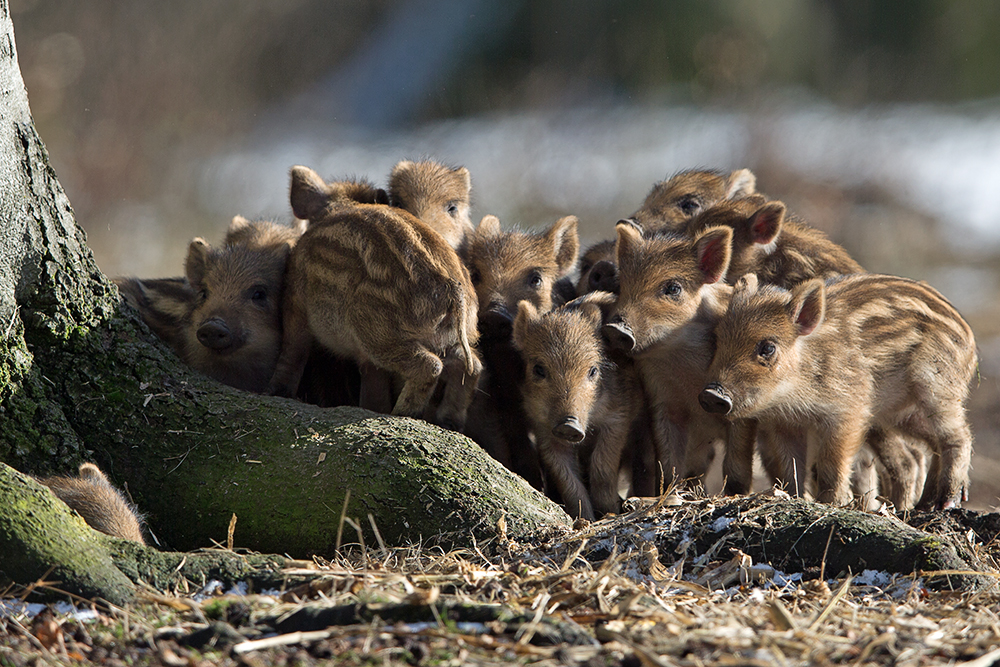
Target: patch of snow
{"x":876,"y":578}
{"x":721,"y":523}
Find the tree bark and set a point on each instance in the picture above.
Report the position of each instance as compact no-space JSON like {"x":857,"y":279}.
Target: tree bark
{"x":83,"y":379}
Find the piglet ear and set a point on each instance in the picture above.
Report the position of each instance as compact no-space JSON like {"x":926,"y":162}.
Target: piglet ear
{"x":564,"y":243}
{"x":740,"y":183}
{"x":463,"y":174}
{"x":808,"y":306}
{"x":309,"y":194}
{"x":400,"y":167}
{"x":489,"y":226}
{"x":593,"y":313}
{"x":765,"y":224}
{"x":629,"y":238}
{"x":526,"y":313}
{"x":713,"y":249}
{"x":237,"y":223}
{"x":196,"y":263}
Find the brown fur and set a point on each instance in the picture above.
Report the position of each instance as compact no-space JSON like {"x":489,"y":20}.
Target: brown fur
{"x":235,"y":321}
{"x":577,"y":400}
{"x":507,"y":267}
{"x":375,"y":284}
{"x":781,"y":249}
{"x":862,"y":352}
{"x":100,"y":504}
{"x":670,"y":206}
{"x":435,"y":194}
{"x":671,"y":297}
{"x":163,"y":303}
{"x":597,"y":269}
{"x":673,"y":202}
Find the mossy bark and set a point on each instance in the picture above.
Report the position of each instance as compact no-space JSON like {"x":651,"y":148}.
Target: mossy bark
{"x":81,"y":379}
{"x":43,"y":541}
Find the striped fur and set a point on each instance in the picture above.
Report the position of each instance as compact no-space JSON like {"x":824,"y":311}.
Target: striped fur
{"x":373,"y":283}
{"x":780,"y":249}
{"x":845,"y":357}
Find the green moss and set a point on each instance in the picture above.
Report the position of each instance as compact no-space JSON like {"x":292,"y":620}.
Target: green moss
{"x":40,"y":538}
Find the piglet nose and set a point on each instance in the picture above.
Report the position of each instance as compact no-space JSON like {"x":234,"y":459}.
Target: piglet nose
{"x":214,"y":334}
{"x":496,"y":320}
{"x":569,"y":429}
{"x":714,"y":399}
{"x":603,"y":277}
{"x":619,"y":335}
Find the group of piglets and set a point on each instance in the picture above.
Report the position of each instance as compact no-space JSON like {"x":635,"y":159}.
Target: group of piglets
{"x":715,"y":319}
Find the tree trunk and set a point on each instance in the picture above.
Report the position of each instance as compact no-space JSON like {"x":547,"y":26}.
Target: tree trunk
{"x":81,"y":379}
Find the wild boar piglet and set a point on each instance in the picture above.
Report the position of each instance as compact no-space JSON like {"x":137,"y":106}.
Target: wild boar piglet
{"x":233,"y":332}
{"x":373,"y":283}
{"x":842,"y":358}
{"x":578,"y":400}
{"x":508,"y":266}
{"x":671,"y":296}
{"x":673,"y":202}
{"x":670,"y":206}
{"x":779,"y":248}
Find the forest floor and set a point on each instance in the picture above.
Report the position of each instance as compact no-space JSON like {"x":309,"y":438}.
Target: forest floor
{"x":599,"y":594}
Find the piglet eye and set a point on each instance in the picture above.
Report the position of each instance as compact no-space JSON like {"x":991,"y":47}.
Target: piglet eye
{"x":593,"y":372}
{"x":689,"y":205}
{"x":766,"y":349}
{"x":671,"y":288}
{"x":535,"y":280}
{"x":259,"y":294}
{"x":203,"y":295}
{"x":539,"y":371}
{"x":452,"y":208}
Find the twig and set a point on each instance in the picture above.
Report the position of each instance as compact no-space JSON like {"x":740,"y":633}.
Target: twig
{"x":822,"y":565}
{"x":343,"y":516}
{"x":841,"y":592}
{"x":378,"y":536}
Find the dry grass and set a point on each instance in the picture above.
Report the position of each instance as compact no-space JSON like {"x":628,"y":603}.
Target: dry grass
{"x":599,"y":594}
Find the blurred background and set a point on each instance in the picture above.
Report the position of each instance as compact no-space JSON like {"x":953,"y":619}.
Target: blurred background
{"x":877,"y":122}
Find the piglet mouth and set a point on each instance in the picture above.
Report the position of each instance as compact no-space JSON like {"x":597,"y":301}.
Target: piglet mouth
{"x":715,"y":399}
